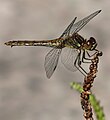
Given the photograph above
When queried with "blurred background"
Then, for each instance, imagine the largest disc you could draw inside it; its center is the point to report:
(25, 91)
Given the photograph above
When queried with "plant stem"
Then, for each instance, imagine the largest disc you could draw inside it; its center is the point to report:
(88, 81)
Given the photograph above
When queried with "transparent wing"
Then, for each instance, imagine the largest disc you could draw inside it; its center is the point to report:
(80, 24)
(51, 61)
(68, 58)
(67, 30)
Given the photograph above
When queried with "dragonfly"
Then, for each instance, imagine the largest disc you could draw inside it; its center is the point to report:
(72, 47)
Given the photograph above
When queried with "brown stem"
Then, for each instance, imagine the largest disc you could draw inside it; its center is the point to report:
(88, 81)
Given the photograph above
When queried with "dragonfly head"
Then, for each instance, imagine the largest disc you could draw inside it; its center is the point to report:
(91, 44)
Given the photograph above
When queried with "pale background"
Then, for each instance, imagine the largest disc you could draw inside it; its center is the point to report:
(25, 91)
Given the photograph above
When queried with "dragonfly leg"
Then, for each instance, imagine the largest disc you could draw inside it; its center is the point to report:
(89, 56)
(92, 54)
(79, 60)
(85, 58)
(79, 67)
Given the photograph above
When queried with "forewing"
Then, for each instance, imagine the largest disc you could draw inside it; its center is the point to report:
(68, 58)
(51, 61)
(67, 30)
(80, 24)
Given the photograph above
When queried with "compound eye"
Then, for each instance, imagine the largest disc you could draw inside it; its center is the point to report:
(92, 40)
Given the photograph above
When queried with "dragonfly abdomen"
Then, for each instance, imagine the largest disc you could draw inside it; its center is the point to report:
(48, 43)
